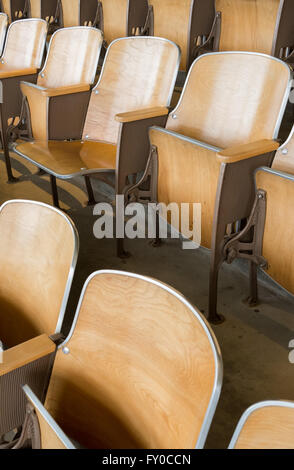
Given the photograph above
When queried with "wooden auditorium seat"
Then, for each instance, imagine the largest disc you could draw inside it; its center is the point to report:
(38, 254)
(21, 59)
(284, 158)
(140, 369)
(133, 92)
(266, 425)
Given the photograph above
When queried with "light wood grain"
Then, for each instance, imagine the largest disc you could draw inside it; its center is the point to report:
(6, 71)
(36, 252)
(3, 28)
(70, 13)
(35, 8)
(138, 73)
(270, 427)
(242, 152)
(172, 21)
(141, 114)
(187, 173)
(27, 352)
(25, 43)
(115, 17)
(6, 4)
(279, 227)
(72, 57)
(248, 25)
(140, 371)
(231, 99)
(69, 158)
(284, 158)
(38, 106)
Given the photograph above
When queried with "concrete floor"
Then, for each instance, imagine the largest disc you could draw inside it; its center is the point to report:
(254, 341)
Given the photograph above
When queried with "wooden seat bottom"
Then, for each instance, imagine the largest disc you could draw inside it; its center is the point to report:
(66, 159)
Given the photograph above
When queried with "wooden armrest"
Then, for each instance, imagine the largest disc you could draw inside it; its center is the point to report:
(142, 114)
(49, 92)
(16, 73)
(242, 152)
(25, 353)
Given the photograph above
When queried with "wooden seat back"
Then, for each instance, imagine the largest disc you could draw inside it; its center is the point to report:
(3, 29)
(175, 20)
(14, 9)
(72, 57)
(25, 42)
(78, 12)
(284, 158)
(136, 349)
(248, 25)
(266, 425)
(232, 98)
(279, 225)
(138, 72)
(37, 255)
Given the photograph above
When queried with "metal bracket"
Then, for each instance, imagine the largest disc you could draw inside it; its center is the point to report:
(247, 244)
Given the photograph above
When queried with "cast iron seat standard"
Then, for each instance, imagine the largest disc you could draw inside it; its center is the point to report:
(77, 13)
(21, 59)
(14, 9)
(140, 369)
(222, 129)
(265, 26)
(192, 24)
(45, 9)
(3, 29)
(38, 254)
(121, 18)
(133, 92)
(69, 69)
(266, 425)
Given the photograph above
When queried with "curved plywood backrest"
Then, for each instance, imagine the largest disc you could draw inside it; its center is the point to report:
(140, 368)
(25, 43)
(72, 57)
(70, 13)
(115, 19)
(172, 21)
(279, 225)
(284, 158)
(38, 253)
(138, 72)
(248, 25)
(231, 98)
(266, 425)
(51, 435)
(3, 28)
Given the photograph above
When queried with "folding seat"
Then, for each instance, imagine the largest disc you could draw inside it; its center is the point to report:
(45, 9)
(223, 128)
(266, 425)
(69, 69)
(14, 9)
(110, 134)
(21, 59)
(192, 24)
(265, 26)
(3, 29)
(78, 13)
(120, 18)
(140, 369)
(38, 254)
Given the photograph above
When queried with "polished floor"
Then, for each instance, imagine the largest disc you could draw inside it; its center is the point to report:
(254, 341)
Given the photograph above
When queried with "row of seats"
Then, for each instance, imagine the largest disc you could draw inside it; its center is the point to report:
(217, 133)
(196, 26)
(136, 349)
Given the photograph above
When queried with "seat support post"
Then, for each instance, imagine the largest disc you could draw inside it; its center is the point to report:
(54, 191)
(91, 197)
